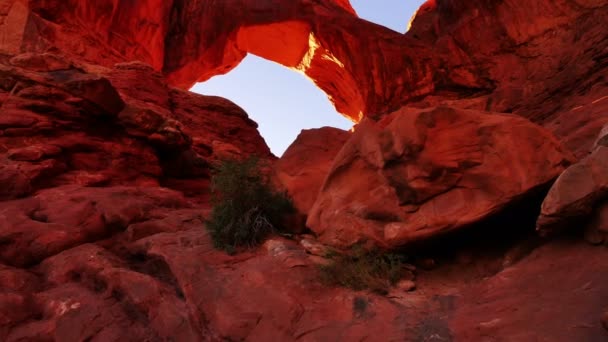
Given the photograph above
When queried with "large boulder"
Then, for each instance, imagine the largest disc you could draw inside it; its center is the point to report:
(304, 165)
(578, 190)
(420, 173)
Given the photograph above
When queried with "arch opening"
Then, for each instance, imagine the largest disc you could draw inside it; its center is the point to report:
(348, 77)
(393, 14)
(281, 101)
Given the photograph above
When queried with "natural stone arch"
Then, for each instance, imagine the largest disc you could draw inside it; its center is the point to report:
(326, 41)
(364, 68)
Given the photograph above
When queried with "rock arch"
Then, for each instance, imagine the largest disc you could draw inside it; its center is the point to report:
(491, 55)
(325, 40)
(364, 68)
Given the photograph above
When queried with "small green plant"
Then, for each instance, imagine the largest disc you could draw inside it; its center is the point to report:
(360, 270)
(246, 209)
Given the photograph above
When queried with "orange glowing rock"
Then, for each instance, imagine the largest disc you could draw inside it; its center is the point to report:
(285, 43)
(417, 174)
(485, 56)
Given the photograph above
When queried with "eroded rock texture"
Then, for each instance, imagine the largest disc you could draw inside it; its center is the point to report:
(544, 60)
(420, 173)
(104, 169)
(304, 165)
(69, 123)
(578, 191)
(84, 154)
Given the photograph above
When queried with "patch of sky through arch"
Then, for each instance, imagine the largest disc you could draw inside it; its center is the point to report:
(284, 102)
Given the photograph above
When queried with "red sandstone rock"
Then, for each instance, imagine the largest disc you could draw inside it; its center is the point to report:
(304, 165)
(59, 218)
(523, 302)
(174, 284)
(65, 124)
(577, 191)
(545, 77)
(101, 275)
(122, 263)
(599, 220)
(497, 55)
(420, 173)
(18, 179)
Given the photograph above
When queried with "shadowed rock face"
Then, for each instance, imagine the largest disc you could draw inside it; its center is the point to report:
(545, 60)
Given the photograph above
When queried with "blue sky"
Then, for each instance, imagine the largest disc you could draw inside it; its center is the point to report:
(284, 102)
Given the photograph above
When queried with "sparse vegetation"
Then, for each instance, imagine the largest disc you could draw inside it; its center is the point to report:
(360, 270)
(246, 209)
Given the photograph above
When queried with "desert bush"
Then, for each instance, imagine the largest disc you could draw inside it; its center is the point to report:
(246, 208)
(361, 270)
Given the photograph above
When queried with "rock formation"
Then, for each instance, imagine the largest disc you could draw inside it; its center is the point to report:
(418, 173)
(69, 123)
(105, 160)
(578, 191)
(305, 164)
(540, 59)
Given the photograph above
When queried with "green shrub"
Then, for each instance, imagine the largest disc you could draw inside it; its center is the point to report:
(246, 209)
(360, 270)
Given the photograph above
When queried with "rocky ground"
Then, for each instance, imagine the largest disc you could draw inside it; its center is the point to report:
(479, 153)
